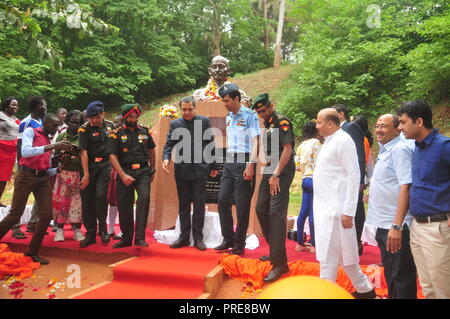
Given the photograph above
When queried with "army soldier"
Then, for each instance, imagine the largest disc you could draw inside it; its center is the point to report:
(273, 198)
(132, 153)
(96, 171)
(238, 177)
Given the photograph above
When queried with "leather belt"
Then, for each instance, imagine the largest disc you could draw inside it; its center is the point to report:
(37, 172)
(135, 165)
(432, 219)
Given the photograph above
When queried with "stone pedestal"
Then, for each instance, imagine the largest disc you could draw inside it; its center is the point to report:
(164, 199)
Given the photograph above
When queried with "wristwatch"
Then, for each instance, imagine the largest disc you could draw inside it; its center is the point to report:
(276, 175)
(396, 227)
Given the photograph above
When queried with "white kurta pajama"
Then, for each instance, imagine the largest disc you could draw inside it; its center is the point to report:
(336, 187)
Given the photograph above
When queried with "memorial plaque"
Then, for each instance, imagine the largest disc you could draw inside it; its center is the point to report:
(213, 183)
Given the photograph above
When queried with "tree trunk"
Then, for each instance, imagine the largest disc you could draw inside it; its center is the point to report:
(266, 25)
(216, 41)
(216, 19)
(277, 56)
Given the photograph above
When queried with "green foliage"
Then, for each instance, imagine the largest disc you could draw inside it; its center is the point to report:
(72, 52)
(371, 70)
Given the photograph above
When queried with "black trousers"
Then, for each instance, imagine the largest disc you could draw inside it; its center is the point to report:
(360, 217)
(233, 186)
(399, 268)
(272, 214)
(191, 191)
(125, 197)
(94, 199)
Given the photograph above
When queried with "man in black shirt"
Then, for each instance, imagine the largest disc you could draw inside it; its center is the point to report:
(131, 151)
(190, 174)
(273, 198)
(96, 173)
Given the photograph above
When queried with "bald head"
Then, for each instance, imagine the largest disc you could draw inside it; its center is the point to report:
(330, 115)
(327, 122)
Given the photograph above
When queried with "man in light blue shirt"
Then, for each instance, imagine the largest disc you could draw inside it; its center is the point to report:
(388, 208)
(238, 176)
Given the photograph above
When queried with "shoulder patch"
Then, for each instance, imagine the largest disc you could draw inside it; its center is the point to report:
(284, 122)
(81, 129)
(113, 135)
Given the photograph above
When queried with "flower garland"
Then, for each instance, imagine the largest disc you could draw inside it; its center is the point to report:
(212, 89)
(168, 111)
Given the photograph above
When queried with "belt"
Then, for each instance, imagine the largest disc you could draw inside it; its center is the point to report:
(135, 165)
(98, 160)
(37, 172)
(237, 157)
(432, 219)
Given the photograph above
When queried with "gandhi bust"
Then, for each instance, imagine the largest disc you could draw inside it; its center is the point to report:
(219, 71)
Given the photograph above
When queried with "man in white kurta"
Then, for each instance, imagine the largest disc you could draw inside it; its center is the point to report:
(336, 186)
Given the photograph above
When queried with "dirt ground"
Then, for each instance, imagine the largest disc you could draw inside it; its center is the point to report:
(57, 280)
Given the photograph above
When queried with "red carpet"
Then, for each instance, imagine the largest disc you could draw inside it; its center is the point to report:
(71, 244)
(164, 273)
(160, 273)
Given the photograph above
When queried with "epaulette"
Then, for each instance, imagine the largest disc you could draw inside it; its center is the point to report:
(145, 127)
(83, 127)
(284, 123)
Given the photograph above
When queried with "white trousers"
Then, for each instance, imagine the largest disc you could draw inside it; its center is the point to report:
(329, 269)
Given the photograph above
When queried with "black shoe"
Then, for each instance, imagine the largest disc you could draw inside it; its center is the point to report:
(87, 242)
(38, 259)
(200, 245)
(276, 273)
(104, 236)
(360, 249)
(18, 234)
(121, 244)
(141, 243)
(115, 237)
(366, 295)
(31, 228)
(264, 258)
(180, 243)
(224, 246)
(237, 251)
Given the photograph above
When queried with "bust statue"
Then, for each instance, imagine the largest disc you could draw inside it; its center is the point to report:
(219, 71)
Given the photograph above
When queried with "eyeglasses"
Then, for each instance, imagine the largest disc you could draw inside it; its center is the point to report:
(262, 111)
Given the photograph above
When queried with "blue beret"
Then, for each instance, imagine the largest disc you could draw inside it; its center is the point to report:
(94, 108)
(227, 89)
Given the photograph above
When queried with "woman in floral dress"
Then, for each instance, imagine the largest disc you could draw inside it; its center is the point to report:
(66, 193)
